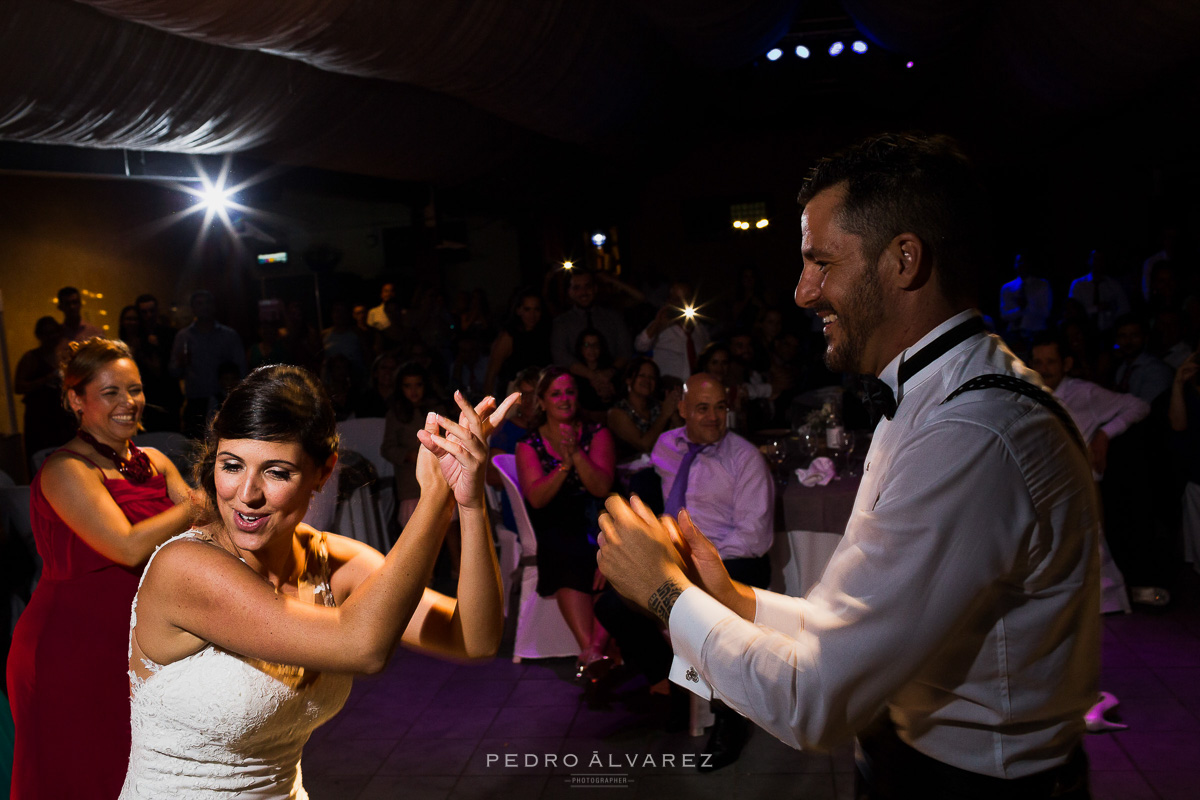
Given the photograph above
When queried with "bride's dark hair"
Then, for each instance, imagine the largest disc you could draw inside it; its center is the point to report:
(274, 403)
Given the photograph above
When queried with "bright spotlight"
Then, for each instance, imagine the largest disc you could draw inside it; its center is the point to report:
(836, 48)
(215, 198)
(599, 239)
(802, 51)
(762, 223)
(859, 46)
(568, 265)
(908, 65)
(689, 312)
(774, 54)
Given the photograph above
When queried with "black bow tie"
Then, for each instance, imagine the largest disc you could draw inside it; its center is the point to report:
(882, 400)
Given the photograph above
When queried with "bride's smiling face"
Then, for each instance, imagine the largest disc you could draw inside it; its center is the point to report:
(263, 489)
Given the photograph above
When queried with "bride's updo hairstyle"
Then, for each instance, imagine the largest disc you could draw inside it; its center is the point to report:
(274, 403)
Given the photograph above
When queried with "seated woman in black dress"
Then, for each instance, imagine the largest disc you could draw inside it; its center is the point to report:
(565, 468)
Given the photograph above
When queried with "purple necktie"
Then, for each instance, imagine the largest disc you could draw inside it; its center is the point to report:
(678, 493)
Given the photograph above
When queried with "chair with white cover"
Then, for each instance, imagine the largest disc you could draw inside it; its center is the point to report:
(509, 556)
(322, 509)
(541, 630)
(365, 436)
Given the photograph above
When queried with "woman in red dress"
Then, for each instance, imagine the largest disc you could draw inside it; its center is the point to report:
(99, 506)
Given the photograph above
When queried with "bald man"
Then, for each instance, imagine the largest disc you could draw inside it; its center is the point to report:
(726, 486)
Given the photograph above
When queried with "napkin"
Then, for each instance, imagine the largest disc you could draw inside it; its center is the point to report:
(820, 472)
(639, 463)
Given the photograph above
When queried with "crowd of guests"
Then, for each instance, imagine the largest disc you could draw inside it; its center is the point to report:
(1116, 346)
(605, 374)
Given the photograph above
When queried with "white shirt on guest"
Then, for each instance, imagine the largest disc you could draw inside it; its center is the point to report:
(377, 318)
(670, 348)
(963, 597)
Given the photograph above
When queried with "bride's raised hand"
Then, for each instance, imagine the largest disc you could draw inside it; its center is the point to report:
(461, 454)
(491, 416)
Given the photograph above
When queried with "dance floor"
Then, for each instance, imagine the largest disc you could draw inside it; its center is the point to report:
(426, 729)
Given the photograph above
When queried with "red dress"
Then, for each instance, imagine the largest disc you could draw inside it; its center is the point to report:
(67, 669)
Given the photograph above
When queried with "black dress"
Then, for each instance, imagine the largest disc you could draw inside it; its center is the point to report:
(567, 526)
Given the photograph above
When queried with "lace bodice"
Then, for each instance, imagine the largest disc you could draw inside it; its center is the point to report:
(217, 723)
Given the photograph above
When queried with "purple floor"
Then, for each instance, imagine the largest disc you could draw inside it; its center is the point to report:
(428, 729)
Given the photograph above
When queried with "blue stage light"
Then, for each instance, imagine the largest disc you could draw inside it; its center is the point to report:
(802, 51)
(774, 54)
(836, 49)
(859, 46)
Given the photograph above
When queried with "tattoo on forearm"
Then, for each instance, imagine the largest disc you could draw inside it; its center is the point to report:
(663, 600)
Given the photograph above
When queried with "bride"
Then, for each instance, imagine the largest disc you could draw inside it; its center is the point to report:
(245, 634)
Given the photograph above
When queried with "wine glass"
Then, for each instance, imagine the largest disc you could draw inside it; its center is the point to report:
(837, 441)
(852, 441)
(809, 444)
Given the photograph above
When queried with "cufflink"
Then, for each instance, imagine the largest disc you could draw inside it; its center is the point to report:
(692, 675)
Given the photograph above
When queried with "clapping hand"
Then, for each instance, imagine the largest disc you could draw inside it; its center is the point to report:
(462, 454)
(638, 555)
(569, 443)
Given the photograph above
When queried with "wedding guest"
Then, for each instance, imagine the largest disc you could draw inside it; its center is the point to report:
(1184, 417)
(99, 507)
(585, 313)
(378, 397)
(638, 418)
(675, 337)
(378, 316)
(524, 342)
(153, 359)
(565, 467)
(75, 328)
(594, 365)
(1025, 303)
(412, 402)
(38, 380)
(198, 351)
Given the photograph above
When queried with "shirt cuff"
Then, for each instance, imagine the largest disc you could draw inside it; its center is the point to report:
(779, 612)
(1113, 429)
(693, 617)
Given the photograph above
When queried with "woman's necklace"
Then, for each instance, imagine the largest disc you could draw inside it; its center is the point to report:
(136, 468)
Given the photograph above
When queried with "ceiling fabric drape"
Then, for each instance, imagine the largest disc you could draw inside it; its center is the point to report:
(418, 89)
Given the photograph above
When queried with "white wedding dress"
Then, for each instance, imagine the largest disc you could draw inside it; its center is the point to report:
(215, 723)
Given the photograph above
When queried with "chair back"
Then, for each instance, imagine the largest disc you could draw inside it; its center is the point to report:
(322, 510)
(506, 465)
(40, 457)
(6, 481)
(365, 437)
(174, 446)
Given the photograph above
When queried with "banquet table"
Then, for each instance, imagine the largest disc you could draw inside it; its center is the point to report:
(814, 519)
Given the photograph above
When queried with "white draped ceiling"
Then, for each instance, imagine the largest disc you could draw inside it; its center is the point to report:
(429, 90)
